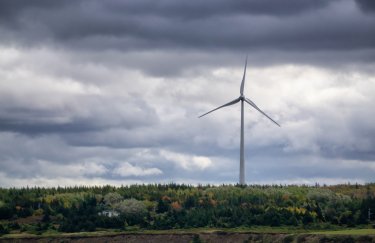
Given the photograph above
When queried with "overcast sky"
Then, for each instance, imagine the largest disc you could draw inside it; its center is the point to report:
(108, 92)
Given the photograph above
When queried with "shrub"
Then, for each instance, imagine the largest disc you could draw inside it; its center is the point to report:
(3, 230)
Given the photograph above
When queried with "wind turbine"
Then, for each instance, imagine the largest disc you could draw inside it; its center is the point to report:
(243, 99)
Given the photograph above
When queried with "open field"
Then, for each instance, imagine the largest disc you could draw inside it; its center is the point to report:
(347, 232)
(253, 234)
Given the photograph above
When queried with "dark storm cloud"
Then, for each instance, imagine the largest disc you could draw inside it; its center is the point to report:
(179, 9)
(112, 90)
(366, 6)
(206, 9)
(235, 25)
(11, 9)
(98, 115)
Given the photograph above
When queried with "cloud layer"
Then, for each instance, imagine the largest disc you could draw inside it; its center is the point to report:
(95, 92)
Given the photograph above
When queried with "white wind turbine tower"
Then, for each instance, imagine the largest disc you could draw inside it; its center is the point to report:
(242, 98)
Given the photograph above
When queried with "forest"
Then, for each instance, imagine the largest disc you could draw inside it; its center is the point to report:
(177, 206)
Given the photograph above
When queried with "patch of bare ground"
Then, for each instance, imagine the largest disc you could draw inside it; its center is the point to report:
(222, 237)
(29, 220)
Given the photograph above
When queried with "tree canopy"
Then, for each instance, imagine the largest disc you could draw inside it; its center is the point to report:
(167, 206)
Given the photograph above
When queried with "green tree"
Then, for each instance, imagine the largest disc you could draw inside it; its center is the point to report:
(133, 210)
(112, 199)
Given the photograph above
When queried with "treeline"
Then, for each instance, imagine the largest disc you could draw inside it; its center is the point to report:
(173, 206)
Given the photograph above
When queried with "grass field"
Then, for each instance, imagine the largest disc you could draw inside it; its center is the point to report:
(258, 230)
(347, 232)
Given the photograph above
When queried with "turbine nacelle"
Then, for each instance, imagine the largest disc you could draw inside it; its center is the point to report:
(242, 98)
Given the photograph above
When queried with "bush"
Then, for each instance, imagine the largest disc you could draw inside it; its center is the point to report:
(13, 226)
(288, 239)
(3, 230)
(196, 239)
(6, 212)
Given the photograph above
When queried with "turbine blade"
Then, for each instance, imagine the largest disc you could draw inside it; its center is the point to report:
(227, 104)
(243, 78)
(257, 108)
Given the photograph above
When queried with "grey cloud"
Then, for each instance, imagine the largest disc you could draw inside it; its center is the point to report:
(178, 9)
(307, 168)
(105, 83)
(12, 9)
(366, 6)
(232, 26)
(97, 117)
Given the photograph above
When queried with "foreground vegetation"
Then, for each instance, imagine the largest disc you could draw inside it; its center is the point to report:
(255, 208)
(263, 230)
